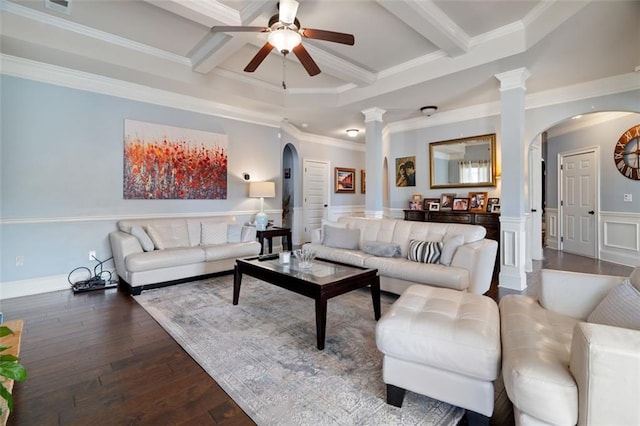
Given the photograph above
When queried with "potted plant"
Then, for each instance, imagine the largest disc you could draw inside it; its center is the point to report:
(9, 369)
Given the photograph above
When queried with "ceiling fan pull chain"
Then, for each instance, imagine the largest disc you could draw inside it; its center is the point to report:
(284, 71)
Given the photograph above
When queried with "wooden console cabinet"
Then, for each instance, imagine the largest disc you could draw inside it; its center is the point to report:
(491, 221)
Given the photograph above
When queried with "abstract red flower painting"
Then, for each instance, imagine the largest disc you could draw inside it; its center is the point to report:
(169, 163)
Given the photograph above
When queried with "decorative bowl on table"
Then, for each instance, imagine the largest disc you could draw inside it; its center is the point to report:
(305, 257)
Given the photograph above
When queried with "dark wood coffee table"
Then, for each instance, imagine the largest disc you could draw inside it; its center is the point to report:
(321, 282)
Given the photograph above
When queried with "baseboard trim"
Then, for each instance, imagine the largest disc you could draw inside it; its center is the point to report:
(31, 286)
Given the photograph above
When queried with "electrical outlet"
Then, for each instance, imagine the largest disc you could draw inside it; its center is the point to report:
(19, 260)
(92, 255)
(627, 198)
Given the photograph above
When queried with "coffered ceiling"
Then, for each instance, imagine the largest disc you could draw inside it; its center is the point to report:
(407, 53)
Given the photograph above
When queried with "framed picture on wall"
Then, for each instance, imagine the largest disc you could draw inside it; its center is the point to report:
(406, 171)
(363, 181)
(345, 180)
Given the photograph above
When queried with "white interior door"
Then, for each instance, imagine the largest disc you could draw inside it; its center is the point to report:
(578, 203)
(315, 189)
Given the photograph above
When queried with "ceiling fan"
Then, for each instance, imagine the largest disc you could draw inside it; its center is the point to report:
(285, 34)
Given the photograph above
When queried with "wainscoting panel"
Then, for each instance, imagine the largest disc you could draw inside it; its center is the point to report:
(620, 238)
(551, 223)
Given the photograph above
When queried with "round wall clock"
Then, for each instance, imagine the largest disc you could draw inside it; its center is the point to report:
(627, 153)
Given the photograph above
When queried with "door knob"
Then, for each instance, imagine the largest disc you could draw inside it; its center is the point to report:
(591, 212)
(534, 210)
(326, 205)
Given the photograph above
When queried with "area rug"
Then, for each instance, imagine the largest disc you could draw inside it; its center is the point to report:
(263, 353)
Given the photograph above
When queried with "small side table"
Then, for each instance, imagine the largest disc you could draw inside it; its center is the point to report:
(269, 233)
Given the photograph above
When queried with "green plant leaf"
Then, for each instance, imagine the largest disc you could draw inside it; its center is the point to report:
(9, 358)
(6, 395)
(5, 331)
(13, 370)
(4, 348)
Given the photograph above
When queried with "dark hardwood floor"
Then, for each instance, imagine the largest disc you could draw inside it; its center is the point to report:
(98, 358)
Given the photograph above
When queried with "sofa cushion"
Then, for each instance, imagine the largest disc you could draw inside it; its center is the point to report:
(341, 238)
(168, 234)
(379, 248)
(425, 251)
(433, 274)
(213, 233)
(230, 250)
(350, 257)
(619, 308)
(159, 259)
(535, 360)
(449, 247)
(143, 237)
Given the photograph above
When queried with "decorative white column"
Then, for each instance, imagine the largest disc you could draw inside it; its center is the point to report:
(373, 162)
(513, 219)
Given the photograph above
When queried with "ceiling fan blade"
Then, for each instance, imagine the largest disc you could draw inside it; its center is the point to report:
(260, 56)
(238, 29)
(305, 59)
(328, 36)
(287, 11)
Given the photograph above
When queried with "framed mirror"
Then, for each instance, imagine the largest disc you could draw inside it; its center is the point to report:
(467, 162)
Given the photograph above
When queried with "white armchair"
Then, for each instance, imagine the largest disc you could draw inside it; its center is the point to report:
(559, 369)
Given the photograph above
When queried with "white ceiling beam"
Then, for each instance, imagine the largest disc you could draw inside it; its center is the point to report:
(430, 22)
(340, 68)
(207, 13)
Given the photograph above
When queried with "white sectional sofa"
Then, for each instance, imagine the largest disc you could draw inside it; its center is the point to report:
(151, 253)
(466, 263)
(573, 356)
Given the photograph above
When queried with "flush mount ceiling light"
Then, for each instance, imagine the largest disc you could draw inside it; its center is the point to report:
(352, 133)
(428, 110)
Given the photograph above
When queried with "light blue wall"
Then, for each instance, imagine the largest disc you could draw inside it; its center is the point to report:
(612, 184)
(416, 142)
(61, 173)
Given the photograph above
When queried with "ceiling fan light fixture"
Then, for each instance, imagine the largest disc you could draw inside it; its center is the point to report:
(284, 39)
(428, 110)
(352, 133)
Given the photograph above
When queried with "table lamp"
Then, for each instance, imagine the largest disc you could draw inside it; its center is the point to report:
(262, 190)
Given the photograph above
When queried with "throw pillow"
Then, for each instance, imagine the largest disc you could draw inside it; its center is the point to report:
(234, 232)
(619, 308)
(425, 251)
(449, 247)
(382, 249)
(213, 233)
(168, 235)
(145, 241)
(325, 222)
(341, 238)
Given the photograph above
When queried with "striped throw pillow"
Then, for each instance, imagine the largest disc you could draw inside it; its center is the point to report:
(425, 251)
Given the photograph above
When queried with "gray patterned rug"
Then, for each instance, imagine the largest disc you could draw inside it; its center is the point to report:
(263, 353)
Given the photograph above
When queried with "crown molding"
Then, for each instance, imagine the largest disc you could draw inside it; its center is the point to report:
(301, 136)
(60, 76)
(44, 18)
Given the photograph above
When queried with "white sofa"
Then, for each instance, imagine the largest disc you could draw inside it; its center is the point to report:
(472, 257)
(150, 253)
(560, 364)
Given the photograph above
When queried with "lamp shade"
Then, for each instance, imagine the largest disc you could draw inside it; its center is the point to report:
(262, 189)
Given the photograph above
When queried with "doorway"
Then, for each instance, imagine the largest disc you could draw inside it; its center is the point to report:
(315, 187)
(578, 177)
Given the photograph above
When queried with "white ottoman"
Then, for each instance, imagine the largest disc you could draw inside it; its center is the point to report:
(444, 344)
